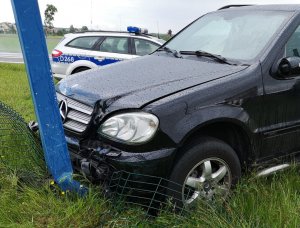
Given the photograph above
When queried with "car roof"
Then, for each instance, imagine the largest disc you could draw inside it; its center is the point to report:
(273, 7)
(114, 33)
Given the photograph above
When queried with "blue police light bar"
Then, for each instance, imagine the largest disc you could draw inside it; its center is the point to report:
(137, 30)
(132, 29)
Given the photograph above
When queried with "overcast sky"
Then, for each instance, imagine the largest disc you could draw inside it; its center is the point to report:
(118, 14)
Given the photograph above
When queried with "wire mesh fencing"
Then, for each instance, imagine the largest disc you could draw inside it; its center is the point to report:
(20, 149)
(21, 153)
(156, 195)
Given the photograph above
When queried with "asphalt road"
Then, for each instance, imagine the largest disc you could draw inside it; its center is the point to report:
(6, 57)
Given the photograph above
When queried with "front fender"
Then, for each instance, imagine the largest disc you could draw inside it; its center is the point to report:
(222, 113)
(232, 99)
(180, 126)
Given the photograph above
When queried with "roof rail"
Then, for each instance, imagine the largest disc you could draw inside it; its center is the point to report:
(101, 31)
(91, 31)
(230, 6)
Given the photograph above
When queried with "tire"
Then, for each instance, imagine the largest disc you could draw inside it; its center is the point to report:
(80, 69)
(196, 175)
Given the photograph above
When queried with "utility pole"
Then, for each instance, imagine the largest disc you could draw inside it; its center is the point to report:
(91, 14)
(158, 29)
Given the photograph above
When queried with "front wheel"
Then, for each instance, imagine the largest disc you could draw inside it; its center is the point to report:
(208, 169)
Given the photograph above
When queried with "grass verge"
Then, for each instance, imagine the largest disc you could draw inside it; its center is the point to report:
(10, 43)
(264, 202)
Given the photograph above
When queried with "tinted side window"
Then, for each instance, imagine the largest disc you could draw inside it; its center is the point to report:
(83, 42)
(115, 45)
(292, 47)
(144, 47)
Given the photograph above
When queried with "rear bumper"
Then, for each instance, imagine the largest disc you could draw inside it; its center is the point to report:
(59, 70)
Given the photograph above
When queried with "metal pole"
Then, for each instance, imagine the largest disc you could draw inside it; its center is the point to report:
(33, 43)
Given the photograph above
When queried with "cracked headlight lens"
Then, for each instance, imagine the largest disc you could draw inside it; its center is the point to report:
(131, 128)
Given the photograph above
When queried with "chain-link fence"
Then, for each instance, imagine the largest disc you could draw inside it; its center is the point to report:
(20, 149)
(21, 153)
(154, 194)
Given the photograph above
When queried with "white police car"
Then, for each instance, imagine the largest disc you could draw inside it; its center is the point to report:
(82, 51)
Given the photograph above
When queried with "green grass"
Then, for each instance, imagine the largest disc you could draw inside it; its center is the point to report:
(10, 43)
(14, 89)
(264, 202)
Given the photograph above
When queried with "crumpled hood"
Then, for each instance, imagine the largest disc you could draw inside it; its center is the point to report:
(134, 83)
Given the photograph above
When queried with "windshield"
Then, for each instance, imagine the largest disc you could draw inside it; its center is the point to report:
(239, 35)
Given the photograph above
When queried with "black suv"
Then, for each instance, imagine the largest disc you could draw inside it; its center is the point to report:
(221, 96)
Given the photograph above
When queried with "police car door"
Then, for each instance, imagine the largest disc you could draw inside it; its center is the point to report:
(143, 47)
(112, 49)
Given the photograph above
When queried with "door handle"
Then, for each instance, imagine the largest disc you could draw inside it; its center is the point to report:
(100, 58)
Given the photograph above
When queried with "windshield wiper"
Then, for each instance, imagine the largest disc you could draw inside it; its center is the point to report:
(199, 53)
(169, 50)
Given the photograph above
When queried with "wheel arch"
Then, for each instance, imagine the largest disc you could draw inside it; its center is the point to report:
(76, 70)
(79, 64)
(232, 132)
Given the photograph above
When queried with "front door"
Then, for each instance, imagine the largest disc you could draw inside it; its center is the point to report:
(281, 112)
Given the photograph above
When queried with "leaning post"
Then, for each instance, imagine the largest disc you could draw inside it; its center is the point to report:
(34, 48)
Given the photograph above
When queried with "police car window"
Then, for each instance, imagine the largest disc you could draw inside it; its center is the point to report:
(115, 45)
(292, 47)
(144, 47)
(83, 42)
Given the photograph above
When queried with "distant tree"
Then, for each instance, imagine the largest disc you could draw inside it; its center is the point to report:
(72, 29)
(12, 29)
(170, 33)
(60, 32)
(49, 16)
(84, 29)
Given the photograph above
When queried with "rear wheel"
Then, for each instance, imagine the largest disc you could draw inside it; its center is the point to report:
(80, 69)
(208, 170)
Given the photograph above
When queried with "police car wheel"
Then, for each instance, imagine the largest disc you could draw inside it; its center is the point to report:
(207, 171)
(80, 69)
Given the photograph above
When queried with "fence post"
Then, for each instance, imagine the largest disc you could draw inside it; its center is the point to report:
(34, 48)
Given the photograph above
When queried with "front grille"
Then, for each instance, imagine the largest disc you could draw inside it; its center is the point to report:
(79, 115)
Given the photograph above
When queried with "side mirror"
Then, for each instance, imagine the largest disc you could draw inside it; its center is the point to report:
(288, 67)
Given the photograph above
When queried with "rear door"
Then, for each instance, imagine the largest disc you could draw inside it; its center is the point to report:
(111, 49)
(77, 49)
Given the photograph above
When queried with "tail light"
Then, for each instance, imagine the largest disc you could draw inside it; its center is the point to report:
(56, 53)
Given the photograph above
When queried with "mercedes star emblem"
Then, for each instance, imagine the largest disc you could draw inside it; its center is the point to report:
(63, 110)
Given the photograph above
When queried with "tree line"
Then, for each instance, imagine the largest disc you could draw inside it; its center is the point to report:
(49, 28)
(49, 14)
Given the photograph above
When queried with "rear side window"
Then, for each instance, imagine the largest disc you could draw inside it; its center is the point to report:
(144, 47)
(84, 42)
(115, 45)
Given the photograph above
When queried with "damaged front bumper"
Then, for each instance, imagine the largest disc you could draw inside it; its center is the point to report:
(98, 161)
(139, 177)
